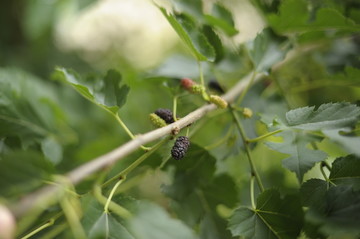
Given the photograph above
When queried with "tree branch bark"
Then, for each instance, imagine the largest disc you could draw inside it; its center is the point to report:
(45, 196)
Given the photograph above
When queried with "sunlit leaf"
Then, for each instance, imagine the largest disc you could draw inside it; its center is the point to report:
(109, 92)
(344, 138)
(301, 158)
(327, 116)
(222, 19)
(265, 50)
(192, 37)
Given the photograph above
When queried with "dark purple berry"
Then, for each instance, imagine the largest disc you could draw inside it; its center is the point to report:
(180, 147)
(214, 85)
(166, 115)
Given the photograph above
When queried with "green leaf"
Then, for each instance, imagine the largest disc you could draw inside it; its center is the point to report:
(192, 37)
(100, 225)
(152, 222)
(107, 93)
(195, 170)
(313, 192)
(327, 116)
(222, 19)
(294, 17)
(343, 137)
(273, 217)
(292, 13)
(301, 159)
(29, 109)
(346, 171)
(265, 50)
(108, 227)
(52, 149)
(21, 172)
(338, 215)
(215, 41)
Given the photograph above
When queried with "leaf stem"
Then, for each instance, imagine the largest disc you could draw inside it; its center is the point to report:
(119, 210)
(261, 137)
(46, 225)
(175, 107)
(106, 207)
(136, 163)
(202, 82)
(247, 149)
(322, 165)
(127, 130)
(252, 196)
(73, 218)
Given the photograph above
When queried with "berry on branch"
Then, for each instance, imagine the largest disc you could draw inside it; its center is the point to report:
(156, 120)
(217, 100)
(187, 83)
(166, 115)
(180, 147)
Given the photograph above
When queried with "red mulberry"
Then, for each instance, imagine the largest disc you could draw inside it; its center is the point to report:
(180, 147)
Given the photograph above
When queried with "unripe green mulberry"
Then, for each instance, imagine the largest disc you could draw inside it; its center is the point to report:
(217, 100)
(156, 120)
(247, 113)
(197, 89)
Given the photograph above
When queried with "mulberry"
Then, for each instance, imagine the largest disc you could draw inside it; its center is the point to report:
(180, 147)
(187, 83)
(214, 85)
(247, 113)
(157, 121)
(217, 100)
(166, 115)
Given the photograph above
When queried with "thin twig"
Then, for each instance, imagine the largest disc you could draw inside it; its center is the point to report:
(43, 197)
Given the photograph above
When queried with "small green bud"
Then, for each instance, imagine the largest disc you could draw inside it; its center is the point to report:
(247, 113)
(197, 89)
(217, 100)
(156, 120)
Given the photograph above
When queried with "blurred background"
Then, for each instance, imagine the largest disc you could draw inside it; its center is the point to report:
(38, 35)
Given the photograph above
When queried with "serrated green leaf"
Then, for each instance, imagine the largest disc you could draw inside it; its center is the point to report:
(100, 225)
(346, 171)
(28, 109)
(313, 192)
(294, 17)
(273, 217)
(292, 13)
(152, 222)
(265, 50)
(301, 159)
(222, 19)
(327, 116)
(341, 136)
(338, 215)
(196, 41)
(107, 93)
(215, 41)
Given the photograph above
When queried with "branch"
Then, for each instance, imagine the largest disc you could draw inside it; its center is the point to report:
(46, 196)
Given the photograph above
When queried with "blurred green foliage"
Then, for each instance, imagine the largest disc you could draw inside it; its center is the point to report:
(52, 119)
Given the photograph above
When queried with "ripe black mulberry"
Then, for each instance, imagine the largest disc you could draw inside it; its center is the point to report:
(166, 115)
(180, 147)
